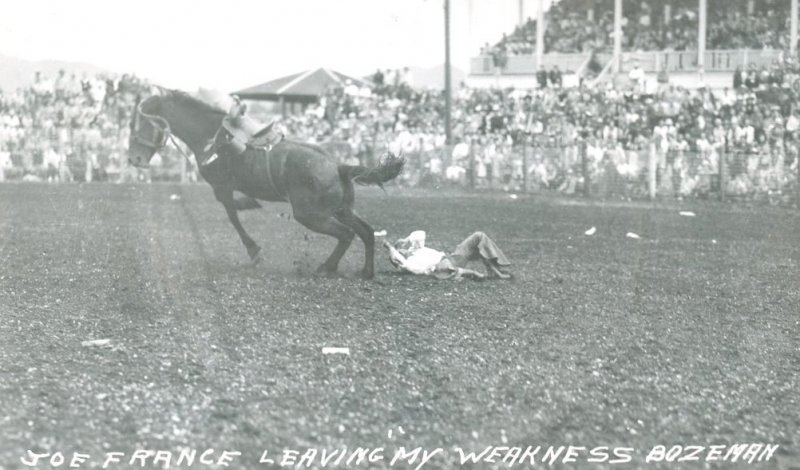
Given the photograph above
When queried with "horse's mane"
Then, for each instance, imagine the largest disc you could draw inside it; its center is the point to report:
(186, 98)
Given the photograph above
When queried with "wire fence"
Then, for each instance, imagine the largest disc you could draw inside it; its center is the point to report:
(580, 168)
(588, 170)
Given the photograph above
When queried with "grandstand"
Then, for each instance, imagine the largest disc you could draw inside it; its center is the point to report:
(599, 40)
(545, 112)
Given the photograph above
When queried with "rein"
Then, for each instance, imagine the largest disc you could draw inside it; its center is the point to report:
(162, 125)
(164, 135)
(180, 150)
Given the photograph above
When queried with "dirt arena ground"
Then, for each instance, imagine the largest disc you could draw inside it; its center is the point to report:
(687, 336)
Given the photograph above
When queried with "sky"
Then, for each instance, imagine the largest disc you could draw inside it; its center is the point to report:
(232, 44)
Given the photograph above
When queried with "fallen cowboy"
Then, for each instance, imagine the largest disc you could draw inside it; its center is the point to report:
(411, 255)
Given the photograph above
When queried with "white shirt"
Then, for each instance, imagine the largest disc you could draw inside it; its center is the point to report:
(351, 89)
(792, 124)
(51, 157)
(418, 258)
(436, 166)
(461, 150)
(637, 74)
(423, 261)
(454, 173)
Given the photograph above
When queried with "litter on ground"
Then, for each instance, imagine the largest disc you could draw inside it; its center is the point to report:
(329, 350)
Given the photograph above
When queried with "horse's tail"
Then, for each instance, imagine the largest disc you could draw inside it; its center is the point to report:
(388, 169)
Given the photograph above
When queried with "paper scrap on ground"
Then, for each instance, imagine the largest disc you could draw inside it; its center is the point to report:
(96, 342)
(382, 233)
(687, 213)
(591, 231)
(632, 235)
(513, 196)
(174, 197)
(328, 350)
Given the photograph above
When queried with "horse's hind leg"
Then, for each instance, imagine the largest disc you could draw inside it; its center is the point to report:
(227, 200)
(334, 228)
(366, 233)
(246, 203)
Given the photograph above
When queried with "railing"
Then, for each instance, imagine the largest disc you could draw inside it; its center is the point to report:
(595, 172)
(572, 169)
(526, 64)
(605, 73)
(651, 61)
(686, 61)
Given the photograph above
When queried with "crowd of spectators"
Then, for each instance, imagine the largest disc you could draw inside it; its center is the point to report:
(571, 136)
(754, 124)
(649, 25)
(66, 127)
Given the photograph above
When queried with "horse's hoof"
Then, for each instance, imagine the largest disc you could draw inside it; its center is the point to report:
(255, 254)
(326, 271)
(257, 259)
(367, 275)
(328, 274)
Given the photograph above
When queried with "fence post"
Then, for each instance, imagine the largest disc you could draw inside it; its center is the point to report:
(587, 179)
(472, 164)
(525, 165)
(421, 160)
(797, 181)
(651, 171)
(722, 174)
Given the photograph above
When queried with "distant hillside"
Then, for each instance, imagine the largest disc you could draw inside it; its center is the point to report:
(16, 73)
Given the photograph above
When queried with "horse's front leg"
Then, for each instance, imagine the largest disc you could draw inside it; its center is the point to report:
(225, 196)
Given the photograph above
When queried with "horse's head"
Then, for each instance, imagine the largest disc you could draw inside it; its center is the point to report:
(149, 132)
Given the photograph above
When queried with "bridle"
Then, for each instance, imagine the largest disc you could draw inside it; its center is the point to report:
(160, 124)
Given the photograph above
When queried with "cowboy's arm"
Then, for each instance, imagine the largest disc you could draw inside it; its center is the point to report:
(468, 273)
(395, 257)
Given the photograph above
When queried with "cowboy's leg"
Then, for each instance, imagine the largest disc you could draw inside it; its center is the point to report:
(479, 246)
(489, 250)
(467, 250)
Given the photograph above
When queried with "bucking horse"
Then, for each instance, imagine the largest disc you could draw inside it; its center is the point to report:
(320, 190)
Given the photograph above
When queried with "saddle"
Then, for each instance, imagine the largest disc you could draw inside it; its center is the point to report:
(239, 131)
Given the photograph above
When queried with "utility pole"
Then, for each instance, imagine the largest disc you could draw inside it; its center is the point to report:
(540, 27)
(702, 9)
(793, 28)
(447, 84)
(617, 67)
